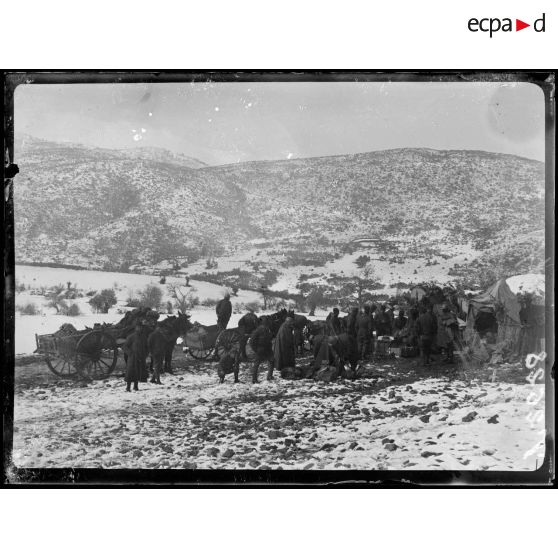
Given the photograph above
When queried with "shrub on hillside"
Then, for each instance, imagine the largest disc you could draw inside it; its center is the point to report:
(56, 299)
(71, 310)
(253, 306)
(103, 301)
(151, 296)
(133, 302)
(29, 309)
(20, 287)
(362, 261)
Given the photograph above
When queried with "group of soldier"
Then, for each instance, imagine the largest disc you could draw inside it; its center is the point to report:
(340, 340)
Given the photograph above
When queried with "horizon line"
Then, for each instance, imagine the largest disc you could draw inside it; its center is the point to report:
(207, 165)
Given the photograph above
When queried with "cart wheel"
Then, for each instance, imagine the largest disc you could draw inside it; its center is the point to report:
(61, 365)
(227, 338)
(96, 354)
(200, 354)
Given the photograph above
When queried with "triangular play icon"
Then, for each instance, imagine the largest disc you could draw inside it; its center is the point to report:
(519, 25)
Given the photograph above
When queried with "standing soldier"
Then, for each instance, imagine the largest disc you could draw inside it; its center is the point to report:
(135, 349)
(364, 332)
(284, 349)
(224, 311)
(383, 322)
(352, 322)
(261, 345)
(451, 330)
(334, 322)
(426, 328)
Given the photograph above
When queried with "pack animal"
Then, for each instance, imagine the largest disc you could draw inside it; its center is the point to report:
(162, 340)
(276, 320)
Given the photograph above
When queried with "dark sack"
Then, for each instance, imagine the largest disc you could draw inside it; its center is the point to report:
(327, 374)
(291, 373)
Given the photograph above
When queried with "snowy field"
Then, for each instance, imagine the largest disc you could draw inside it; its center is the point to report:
(397, 416)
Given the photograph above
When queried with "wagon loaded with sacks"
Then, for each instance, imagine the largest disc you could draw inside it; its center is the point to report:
(90, 353)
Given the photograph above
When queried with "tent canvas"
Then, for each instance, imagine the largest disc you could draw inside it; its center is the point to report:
(497, 309)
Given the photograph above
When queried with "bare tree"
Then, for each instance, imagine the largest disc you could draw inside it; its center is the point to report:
(184, 297)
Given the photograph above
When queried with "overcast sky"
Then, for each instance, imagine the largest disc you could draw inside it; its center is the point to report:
(231, 122)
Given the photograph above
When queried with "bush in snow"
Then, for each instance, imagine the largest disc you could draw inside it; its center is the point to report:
(71, 310)
(362, 261)
(56, 299)
(19, 287)
(253, 306)
(102, 301)
(151, 296)
(29, 309)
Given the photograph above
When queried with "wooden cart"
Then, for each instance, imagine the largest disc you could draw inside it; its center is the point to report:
(89, 353)
(203, 342)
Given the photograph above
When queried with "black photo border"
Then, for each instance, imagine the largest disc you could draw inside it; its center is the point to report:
(544, 476)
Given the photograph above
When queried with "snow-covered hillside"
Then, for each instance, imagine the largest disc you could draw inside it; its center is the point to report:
(442, 213)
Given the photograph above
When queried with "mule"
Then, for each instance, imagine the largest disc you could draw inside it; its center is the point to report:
(162, 340)
(277, 319)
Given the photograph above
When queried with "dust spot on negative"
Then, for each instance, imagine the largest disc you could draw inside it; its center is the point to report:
(516, 111)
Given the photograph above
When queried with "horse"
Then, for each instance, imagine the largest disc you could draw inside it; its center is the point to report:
(277, 319)
(246, 326)
(162, 340)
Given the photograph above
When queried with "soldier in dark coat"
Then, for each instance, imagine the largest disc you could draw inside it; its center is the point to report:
(334, 322)
(451, 331)
(383, 322)
(400, 322)
(426, 327)
(364, 332)
(135, 348)
(224, 311)
(336, 350)
(284, 350)
(352, 322)
(261, 343)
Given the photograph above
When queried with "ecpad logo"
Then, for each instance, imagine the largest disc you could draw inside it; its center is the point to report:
(493, 25)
